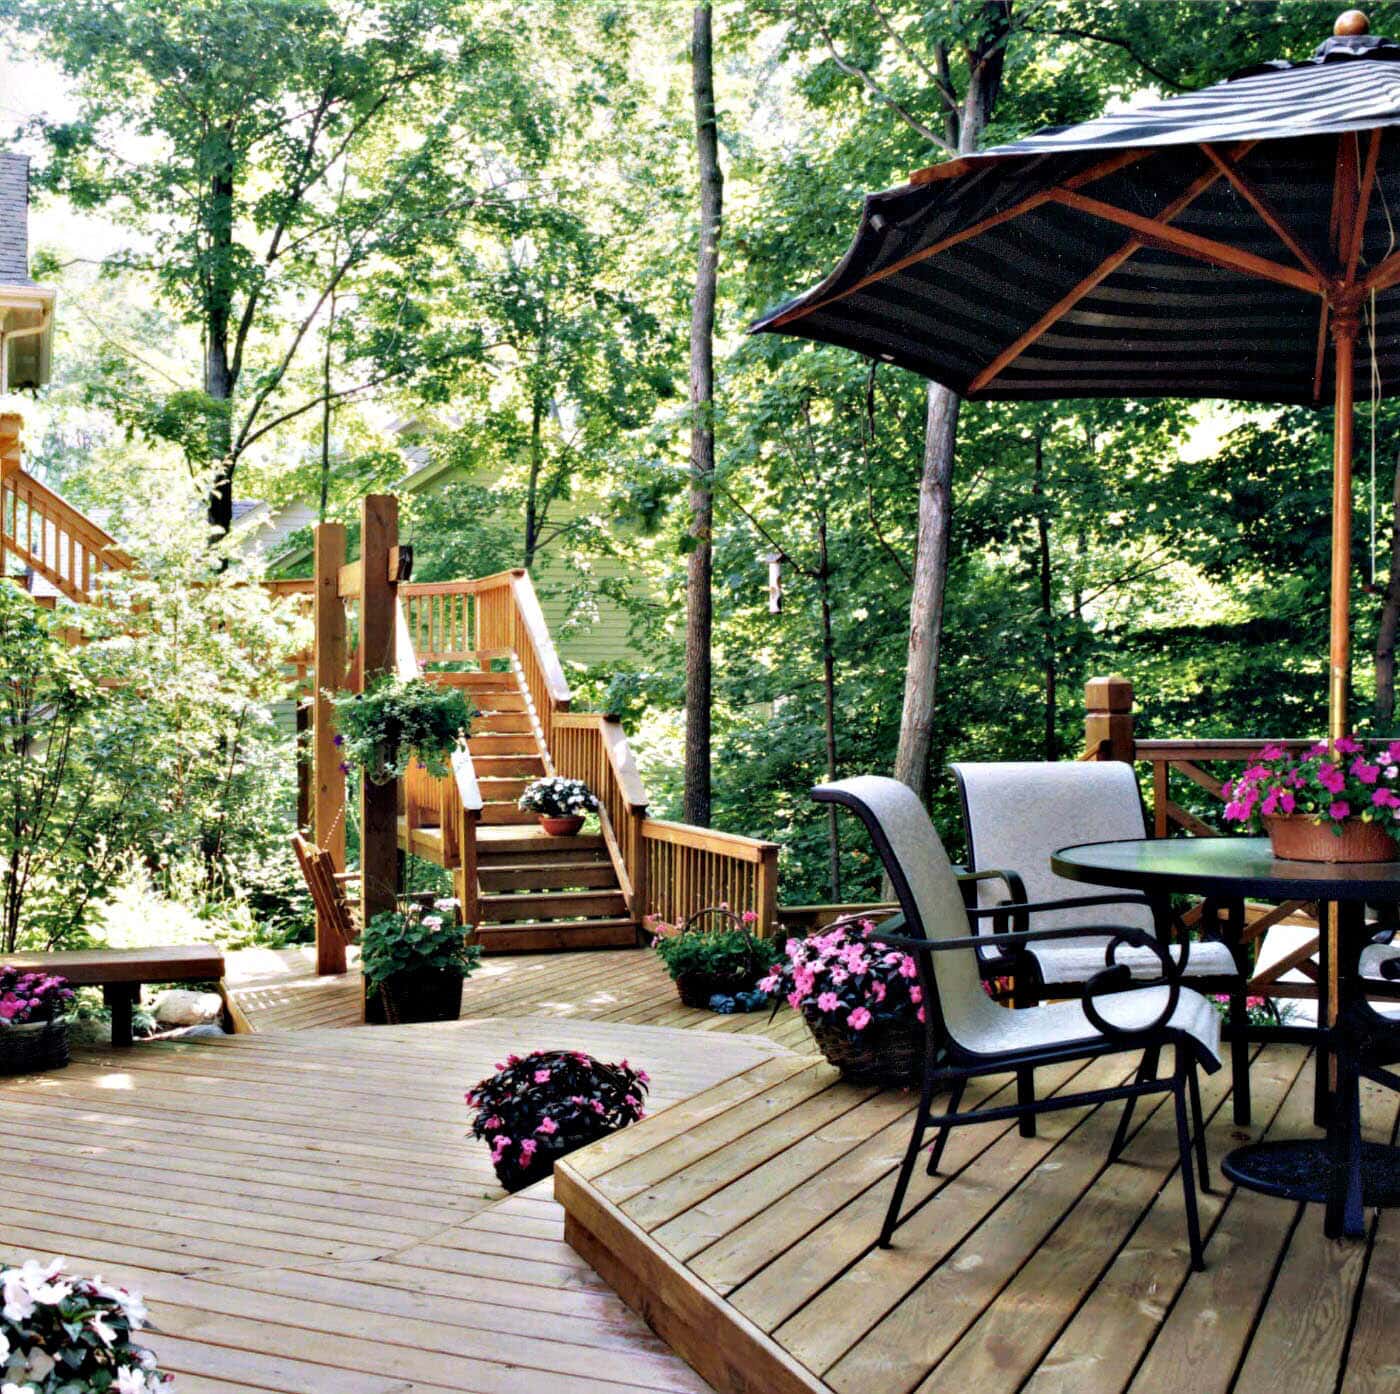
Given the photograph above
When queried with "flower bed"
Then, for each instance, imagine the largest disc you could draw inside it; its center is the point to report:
(862, 1001)
(62, 1335)
(540, 1107)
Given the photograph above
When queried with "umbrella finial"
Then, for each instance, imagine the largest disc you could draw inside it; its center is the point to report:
(1351, 22)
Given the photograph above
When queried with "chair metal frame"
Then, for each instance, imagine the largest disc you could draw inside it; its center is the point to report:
(949, 1064)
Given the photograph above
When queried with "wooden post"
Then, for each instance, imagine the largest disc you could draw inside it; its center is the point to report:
(766, 884)
(328, 675)
(304, 753)
(379, 803)
(11, 461)
(1108, 719)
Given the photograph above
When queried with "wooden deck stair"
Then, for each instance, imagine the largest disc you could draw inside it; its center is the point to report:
(533, 891)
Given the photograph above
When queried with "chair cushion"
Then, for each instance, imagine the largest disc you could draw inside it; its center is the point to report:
(1078, 962)
(1064, 1023)
(1373, 955)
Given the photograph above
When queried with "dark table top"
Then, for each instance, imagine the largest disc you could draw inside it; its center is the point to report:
(1228, 866)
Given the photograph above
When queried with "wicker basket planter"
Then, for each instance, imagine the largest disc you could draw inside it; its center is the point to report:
(890, 1054)
(425, 996)
(34, 1047)
(1296, 838)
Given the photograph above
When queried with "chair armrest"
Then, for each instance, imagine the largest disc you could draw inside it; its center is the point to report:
(1138, 938)
(1015, 887)
(1019, 912)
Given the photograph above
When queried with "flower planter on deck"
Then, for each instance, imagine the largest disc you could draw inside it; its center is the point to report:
(1301, 838)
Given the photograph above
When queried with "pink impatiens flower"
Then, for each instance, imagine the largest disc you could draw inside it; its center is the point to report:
(527, 1149)
(828, 1002)
(548, 1127)
(542, 1076)
(1339, 810)
(858, 1019)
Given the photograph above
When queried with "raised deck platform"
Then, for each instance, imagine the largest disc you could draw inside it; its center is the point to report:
(741, 1225)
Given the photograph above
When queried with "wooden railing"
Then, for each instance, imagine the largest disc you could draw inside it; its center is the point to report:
(688, 868)
(592, 747)
(499, 617)
(52, 537)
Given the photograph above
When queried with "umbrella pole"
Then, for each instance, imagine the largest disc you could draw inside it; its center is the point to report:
(1345, 325)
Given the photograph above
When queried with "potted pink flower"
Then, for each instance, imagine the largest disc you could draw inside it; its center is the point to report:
(33, 1020)
(1324, 805)
(861, 1000)
(539, 1107)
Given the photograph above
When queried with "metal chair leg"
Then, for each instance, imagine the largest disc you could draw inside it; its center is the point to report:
(1198, 1127)
(906, 1167)
(1188, 1176)
(1239, 1056)
(1025, 1096)
(941, 1141)
(1147, 1069)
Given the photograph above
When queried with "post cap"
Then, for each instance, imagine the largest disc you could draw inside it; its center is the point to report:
(1351, 22)
(1110, 694)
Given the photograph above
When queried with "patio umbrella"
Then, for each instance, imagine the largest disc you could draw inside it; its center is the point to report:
(1235, 242)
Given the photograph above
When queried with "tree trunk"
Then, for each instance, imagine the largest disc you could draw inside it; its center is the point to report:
(986, 61)
(702, 430)
(218, 371)
(828, 697)
(1047, 610)
(1390, 619)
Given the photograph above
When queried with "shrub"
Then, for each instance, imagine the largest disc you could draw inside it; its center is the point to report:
(539, 1108)
(61, 1335)
(416, 940)
(839, 978)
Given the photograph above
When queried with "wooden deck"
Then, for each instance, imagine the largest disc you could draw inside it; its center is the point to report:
(305, 1213)
(740, 1223)
(278, 991)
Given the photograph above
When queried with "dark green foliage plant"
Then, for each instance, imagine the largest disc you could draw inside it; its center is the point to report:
(416, 939)
(734, 953)
(398, 720)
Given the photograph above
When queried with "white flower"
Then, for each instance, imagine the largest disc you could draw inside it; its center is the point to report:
(131, 1381)
(19, 1389)
(104, 1332)
(4, 1348)
(432, 921)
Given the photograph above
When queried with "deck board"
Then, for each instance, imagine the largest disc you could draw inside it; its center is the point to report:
(1032, 1265)
(305, 1213)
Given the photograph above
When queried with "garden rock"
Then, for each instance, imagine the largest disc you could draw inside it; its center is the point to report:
(179, 1007)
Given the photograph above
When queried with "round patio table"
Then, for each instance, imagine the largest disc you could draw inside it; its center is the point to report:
(1339, 1170)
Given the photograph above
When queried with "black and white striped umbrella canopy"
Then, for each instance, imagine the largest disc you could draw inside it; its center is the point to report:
(1195, 247)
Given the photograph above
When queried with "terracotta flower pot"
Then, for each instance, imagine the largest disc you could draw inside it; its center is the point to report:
(1297, 838)
(561, 827)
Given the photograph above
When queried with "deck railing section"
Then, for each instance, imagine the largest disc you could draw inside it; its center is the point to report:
(53, 538)
(688, 868)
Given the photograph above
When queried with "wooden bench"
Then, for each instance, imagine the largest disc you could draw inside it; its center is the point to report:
(120, 973)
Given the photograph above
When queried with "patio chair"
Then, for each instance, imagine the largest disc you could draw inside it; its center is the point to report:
(968, 1035)
(1016, 815)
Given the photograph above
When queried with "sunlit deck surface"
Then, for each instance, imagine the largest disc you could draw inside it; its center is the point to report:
(278, 990)
(741, 1223)
(305, 1213)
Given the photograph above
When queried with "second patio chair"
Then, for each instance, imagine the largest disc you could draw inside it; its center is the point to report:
(968, 1035)
(1016, 816)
